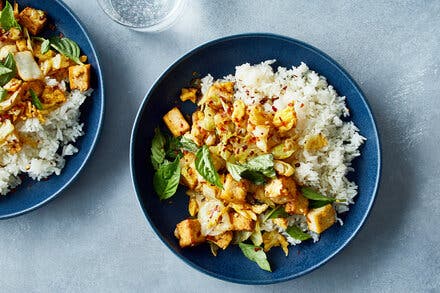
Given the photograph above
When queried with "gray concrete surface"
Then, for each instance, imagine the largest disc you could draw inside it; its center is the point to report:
(94, 237)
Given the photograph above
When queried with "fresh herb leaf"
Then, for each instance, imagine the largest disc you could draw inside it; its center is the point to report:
(8, 69)
(256, 254)
(316, 196)
(255, 170)
(166, 179)
(235, 170)
(278, 212)
(35, 100)
(254, 176)
(295, 232)
(263, 164)
(7, 19)
(157, 149)
(3, 93)
(173, 147)
(188, 144)
(206, 168)
(45, 47)
(314, 204)
(67, 47)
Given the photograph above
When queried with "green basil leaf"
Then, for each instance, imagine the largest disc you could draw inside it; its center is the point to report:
(295, 232)
(67, 47)
(254, 176)
(7, 19)
(235, 170)
(188, 144)
(3, 93)
(314, 195)
(166, 179)
(314, 204)
(256, 254)
(277, 212)
(206, 168)
(35, 100)
(45, 46)
(157, 149)
(8, 69)
(173, 147)
(263, 164)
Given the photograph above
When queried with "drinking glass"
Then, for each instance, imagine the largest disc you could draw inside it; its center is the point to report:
(144, 15)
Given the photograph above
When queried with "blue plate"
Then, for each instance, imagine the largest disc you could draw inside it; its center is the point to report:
(219, 58)
(33, 194)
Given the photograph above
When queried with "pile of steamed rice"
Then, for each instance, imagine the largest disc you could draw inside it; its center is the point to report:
(55, 136)
(319, 109)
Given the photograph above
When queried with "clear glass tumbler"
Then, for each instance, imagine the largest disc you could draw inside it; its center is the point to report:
(144, 15)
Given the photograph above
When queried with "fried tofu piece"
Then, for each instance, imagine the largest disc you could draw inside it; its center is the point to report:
(175, 122)
(234, 191)
(32, 19)
(299, 205)
(241, 223)
(79, 77)
(188, 172)
(188, 94)
(189, 233)
(320, 219)
(280, 190)
(222, 240)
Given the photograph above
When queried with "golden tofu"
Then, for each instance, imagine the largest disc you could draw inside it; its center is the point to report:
(316, 142)
(234, 191)
(175, 122)
(189, 233)
(223, 240)
(239, 112)
(280, 190)
(32, 19)
(299, 205)
(320, 219)
(79, 77)
(188, 94)
(188, 172)
(241, 223)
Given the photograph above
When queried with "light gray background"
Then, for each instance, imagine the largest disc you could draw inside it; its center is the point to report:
(94, 237)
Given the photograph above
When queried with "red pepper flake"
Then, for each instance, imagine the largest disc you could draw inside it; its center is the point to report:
(274, 108)
(285, 87)
(245, 147)
(302, 105)
(297, 165)
(290, 104)
(257, 249)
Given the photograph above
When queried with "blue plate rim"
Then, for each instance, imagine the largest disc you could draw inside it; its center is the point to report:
(321, 54)
(98, 133)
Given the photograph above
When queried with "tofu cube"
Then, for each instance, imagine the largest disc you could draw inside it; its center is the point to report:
(298, 206)
(280, 190)
(241, 223)
(175, 122)
(222, 240)
(234, 191)
(33, 19)
(188, 232)
(188, 94)
(320, 219)
(79, 77)
(188, 173)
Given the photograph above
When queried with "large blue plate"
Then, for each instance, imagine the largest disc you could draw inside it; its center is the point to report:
(33, 194)
(219, 58)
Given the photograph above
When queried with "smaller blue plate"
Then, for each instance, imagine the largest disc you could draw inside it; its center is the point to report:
(219, 58)
(33, 194)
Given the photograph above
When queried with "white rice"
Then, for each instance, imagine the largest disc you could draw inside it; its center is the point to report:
(55, 139)
(319, 109)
